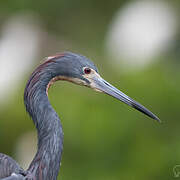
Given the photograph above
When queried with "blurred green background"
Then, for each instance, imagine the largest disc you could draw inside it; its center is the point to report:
(103, 138)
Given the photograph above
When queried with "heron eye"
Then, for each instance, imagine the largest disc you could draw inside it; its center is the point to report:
(87, 70)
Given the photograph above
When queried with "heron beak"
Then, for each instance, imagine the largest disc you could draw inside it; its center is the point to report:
(99, 84)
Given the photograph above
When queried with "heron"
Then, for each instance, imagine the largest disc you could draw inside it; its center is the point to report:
(65, 66)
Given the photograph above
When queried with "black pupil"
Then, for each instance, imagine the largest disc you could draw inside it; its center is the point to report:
(87, 70)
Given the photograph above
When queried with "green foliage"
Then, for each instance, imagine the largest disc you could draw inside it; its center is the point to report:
(104, 139)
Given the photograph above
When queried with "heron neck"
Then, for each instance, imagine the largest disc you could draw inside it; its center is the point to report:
(46, 162)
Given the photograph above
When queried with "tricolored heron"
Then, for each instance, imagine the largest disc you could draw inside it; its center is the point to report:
(69, 67)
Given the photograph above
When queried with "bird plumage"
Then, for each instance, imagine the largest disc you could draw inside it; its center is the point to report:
(8, 166)
(67, 66)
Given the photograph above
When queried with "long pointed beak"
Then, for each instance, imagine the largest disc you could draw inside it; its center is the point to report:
(99, 84)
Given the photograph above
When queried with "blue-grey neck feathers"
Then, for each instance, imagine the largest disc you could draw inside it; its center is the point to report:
(46, 162)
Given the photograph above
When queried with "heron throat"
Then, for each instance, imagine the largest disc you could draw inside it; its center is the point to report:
(46, 162)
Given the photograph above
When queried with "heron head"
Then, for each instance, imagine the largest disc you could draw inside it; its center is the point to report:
(80, 70)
